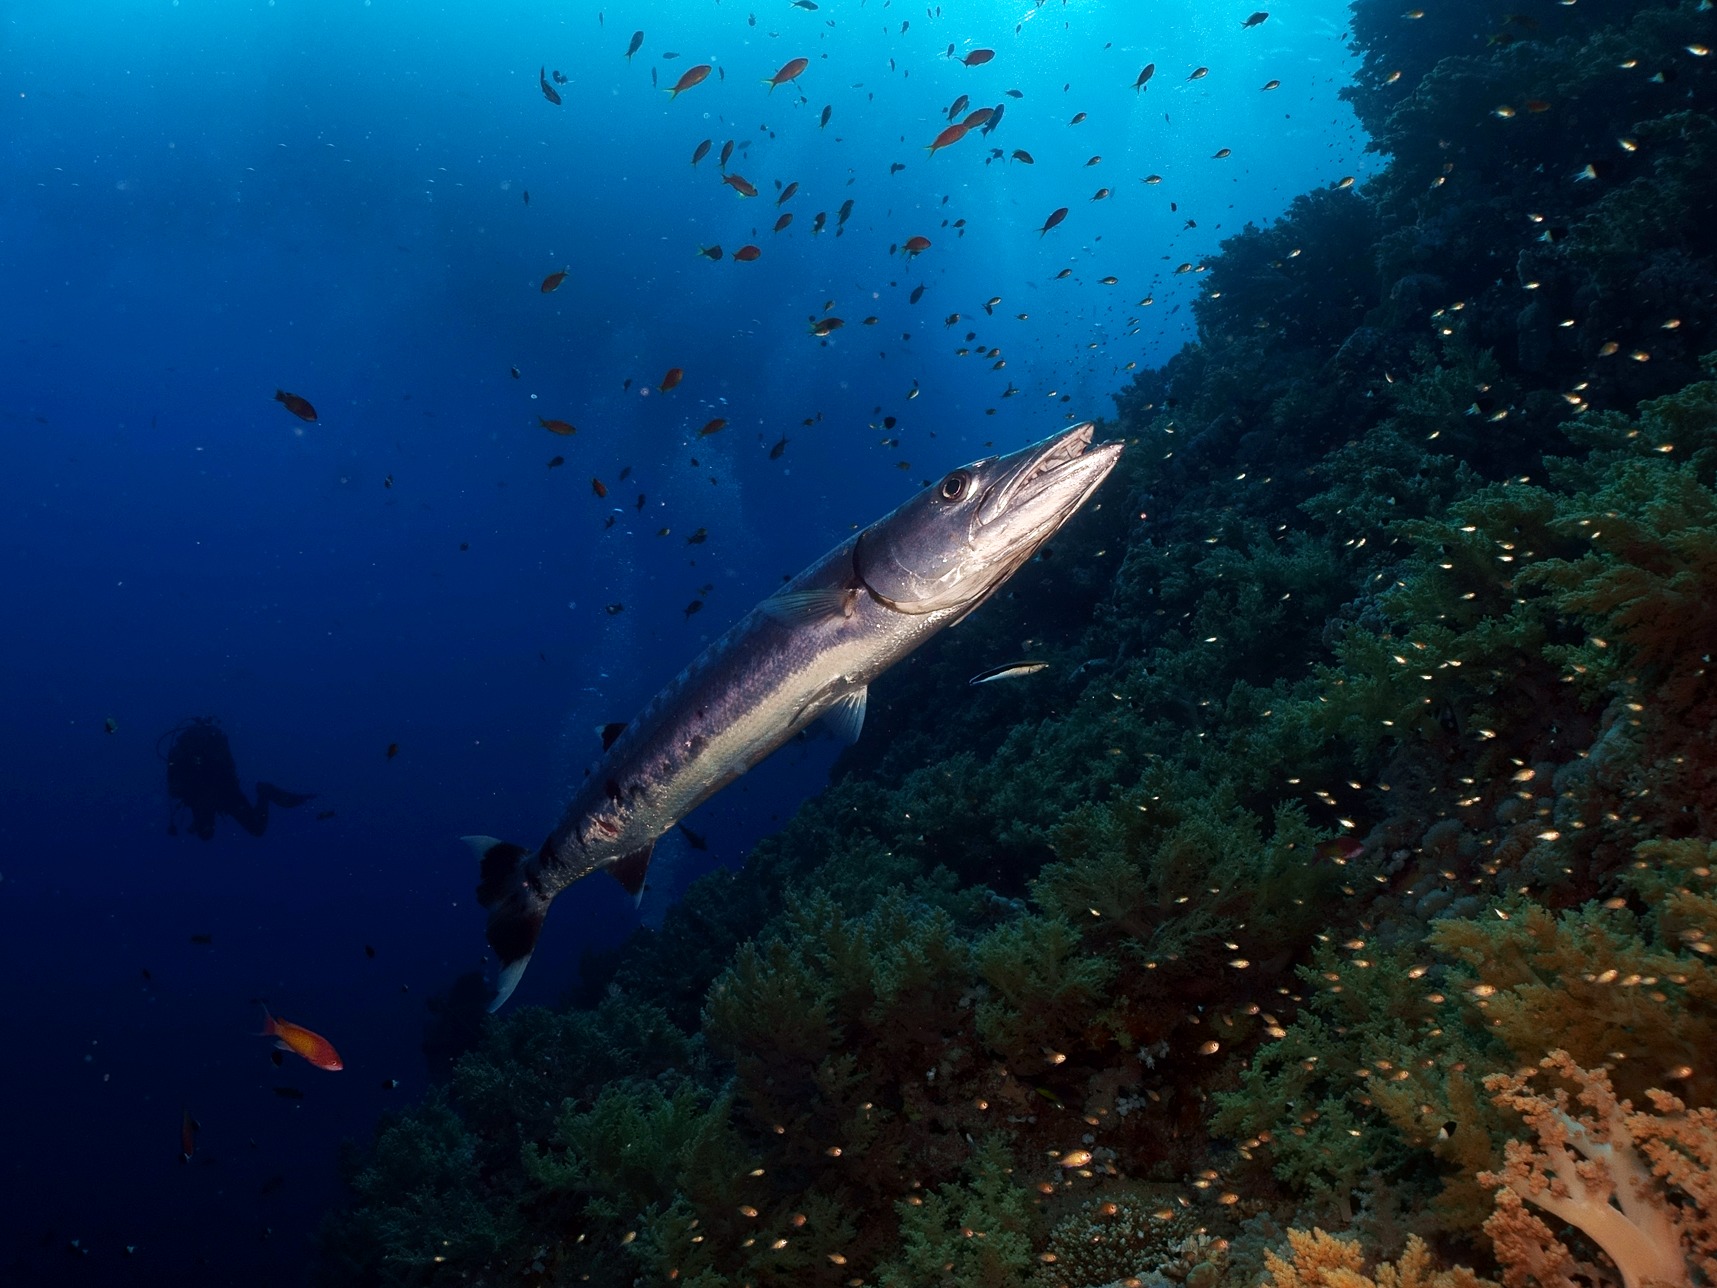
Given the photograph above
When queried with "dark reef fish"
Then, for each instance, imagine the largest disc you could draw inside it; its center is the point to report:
(299, 407)
(808, 651)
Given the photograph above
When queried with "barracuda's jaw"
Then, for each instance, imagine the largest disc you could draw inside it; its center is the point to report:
(950, 546)
(1043, 492)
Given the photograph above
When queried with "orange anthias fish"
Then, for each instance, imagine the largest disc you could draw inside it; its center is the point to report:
(978, 57)
(789, 71)
(745, 254)
(950, 136)
(553, 281)
(557, 427)
(299, 407)
(674, 376)
(915, 245)
(740, 184)
(1055, 217)
(693, 76)
(301, 1041)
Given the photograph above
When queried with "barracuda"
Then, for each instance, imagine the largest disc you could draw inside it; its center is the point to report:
(808, 651)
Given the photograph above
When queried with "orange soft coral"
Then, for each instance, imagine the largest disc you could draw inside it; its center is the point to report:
(1639, 1185)
(1321, 1260)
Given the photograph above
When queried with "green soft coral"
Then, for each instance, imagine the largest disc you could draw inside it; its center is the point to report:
(978, 1232)
(423, 1206)
(1604, 983)
(636, 1148)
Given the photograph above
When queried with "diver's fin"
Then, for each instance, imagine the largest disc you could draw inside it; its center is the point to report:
(516, 909)
(846, 717)
(629, 870)
(795, 606)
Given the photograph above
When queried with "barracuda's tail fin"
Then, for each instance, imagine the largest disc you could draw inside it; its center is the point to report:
(516, 909)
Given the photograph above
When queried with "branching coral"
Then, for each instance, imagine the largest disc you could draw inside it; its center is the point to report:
(1638, 1184)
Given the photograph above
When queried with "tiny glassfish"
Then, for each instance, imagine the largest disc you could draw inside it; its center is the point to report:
(1007, 671)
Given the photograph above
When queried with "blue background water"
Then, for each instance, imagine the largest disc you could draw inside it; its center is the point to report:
(201, 202)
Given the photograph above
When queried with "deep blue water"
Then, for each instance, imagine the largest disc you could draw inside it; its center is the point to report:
(202, 201)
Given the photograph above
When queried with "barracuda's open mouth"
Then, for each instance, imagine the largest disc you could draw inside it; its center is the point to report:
(950, 546)
(1053, 484)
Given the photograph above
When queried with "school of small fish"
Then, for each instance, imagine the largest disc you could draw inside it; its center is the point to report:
(800, 69)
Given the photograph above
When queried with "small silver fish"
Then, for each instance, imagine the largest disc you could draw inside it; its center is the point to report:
(1007, 671)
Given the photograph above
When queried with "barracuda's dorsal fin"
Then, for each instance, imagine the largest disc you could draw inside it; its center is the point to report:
(846, 716)
(629, 870)
(793, 606)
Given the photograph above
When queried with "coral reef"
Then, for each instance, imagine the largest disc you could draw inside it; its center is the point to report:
(1374, 763)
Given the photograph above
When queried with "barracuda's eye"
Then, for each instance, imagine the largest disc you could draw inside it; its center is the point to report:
(954, 486)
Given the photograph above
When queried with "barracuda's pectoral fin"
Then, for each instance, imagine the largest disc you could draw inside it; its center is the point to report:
(630, 869)
(794, 606)
(846, 717)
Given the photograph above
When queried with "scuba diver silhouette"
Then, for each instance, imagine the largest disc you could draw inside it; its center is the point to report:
(202, 778)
